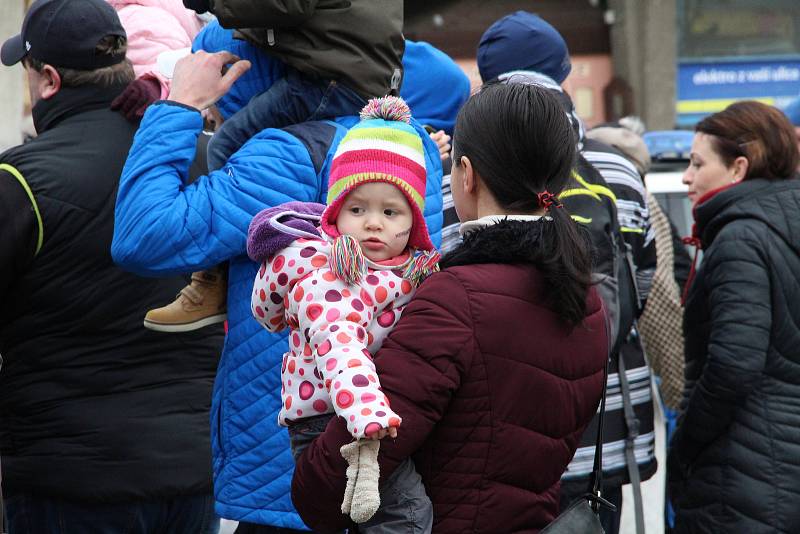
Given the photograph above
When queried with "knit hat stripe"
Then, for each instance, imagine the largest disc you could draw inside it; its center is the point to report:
(387, 133)
(363, 158)
(357, 145)
(339, 188)
(407, 181)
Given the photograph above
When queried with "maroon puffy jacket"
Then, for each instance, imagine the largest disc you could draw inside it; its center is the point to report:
(494, 392)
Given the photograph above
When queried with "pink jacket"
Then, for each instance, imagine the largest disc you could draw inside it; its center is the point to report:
(335, 328)
(153, 27)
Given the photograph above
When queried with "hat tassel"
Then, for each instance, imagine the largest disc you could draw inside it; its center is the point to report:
(347, 261)
(422, 266)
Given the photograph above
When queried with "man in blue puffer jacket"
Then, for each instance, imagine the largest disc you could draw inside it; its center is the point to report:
(165, 225)
(434, 86)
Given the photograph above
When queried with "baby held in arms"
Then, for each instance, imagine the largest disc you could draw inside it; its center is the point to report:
(339, 277)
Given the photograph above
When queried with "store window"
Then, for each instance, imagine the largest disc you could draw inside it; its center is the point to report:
(738, 28)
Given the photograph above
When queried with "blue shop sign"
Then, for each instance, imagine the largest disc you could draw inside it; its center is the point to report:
(708, 87)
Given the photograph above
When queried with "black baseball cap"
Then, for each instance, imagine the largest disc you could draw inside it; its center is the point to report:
(64, 33)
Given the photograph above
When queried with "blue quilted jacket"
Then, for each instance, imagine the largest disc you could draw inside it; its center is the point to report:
(165, 225)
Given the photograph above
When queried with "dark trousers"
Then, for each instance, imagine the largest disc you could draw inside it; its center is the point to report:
(405, 507)
(293, 99)
(28, 514)
(610, 520)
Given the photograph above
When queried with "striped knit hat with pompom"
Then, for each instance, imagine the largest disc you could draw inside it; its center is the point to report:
(383, 147)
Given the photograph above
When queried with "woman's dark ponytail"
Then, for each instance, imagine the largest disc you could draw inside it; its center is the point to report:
(565, 260)
(521, 143)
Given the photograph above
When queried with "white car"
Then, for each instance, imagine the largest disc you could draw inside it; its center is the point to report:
(670, 192)
(669, 151)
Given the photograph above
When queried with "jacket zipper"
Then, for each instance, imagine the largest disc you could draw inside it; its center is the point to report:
(271, 37)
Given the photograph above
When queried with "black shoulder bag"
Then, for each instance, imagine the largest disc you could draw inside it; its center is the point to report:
(581, 517)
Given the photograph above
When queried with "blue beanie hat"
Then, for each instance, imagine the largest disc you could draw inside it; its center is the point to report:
(434, 86)
(793, 111)
(523, 41)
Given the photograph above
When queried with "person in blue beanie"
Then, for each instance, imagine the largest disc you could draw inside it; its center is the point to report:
(523, 41)
(524, 48)
(435, 88)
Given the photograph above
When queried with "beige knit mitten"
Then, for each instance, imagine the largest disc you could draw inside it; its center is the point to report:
(350, 454)
(362, 496)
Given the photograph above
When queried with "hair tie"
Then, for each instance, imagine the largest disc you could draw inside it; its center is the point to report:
(547, 199)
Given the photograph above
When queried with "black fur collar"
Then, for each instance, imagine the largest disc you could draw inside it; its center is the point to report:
(508, 241)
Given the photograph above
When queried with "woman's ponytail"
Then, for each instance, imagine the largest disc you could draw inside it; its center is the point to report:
(565, 261)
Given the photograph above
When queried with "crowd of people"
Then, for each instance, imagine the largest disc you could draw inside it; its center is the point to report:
(401, 307)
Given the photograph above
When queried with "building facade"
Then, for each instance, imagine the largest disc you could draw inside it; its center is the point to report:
(731, 50)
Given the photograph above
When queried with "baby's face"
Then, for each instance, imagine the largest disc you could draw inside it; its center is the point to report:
(378, 215)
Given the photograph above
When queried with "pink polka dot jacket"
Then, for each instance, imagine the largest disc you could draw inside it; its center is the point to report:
(335, 329)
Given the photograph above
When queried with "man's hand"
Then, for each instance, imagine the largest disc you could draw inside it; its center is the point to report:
(199, 79)
(442, 140)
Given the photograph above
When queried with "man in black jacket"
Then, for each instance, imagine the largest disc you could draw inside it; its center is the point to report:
(103, 424)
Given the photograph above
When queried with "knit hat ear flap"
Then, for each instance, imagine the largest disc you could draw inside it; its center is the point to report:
(422, 266)
(383, 147)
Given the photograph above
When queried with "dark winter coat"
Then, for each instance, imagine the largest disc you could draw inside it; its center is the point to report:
(93, 406)
(494, 390)
(359, 42)
(735, 462)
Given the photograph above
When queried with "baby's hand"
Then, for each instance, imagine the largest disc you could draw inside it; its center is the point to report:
(442, 140)
(382, 433)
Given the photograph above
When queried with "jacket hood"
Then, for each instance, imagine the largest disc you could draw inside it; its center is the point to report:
(507, 242)
(434, 87)
(773, 202)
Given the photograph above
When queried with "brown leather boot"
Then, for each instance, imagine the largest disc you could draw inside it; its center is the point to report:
(201, 303)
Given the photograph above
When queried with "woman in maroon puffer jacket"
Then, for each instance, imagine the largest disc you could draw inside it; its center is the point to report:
(496, 366)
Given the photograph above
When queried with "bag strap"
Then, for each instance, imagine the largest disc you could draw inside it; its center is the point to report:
(632, 424)
(21, 179)
(631, 421)
(596, 479)
(2, 505)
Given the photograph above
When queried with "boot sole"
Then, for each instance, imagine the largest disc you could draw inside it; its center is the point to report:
(185, 327)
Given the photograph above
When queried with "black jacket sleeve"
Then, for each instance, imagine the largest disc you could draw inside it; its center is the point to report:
(19, 230)
(738, 286)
